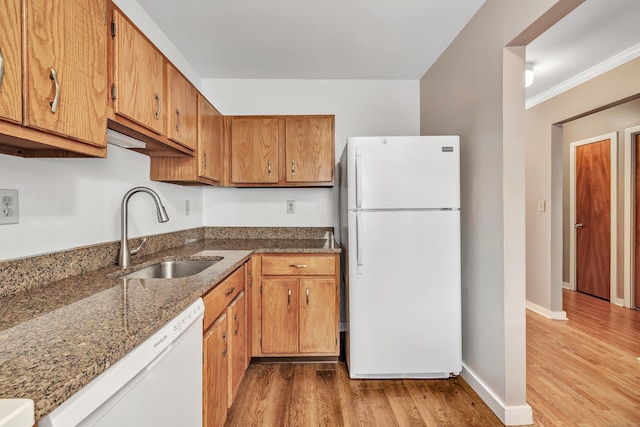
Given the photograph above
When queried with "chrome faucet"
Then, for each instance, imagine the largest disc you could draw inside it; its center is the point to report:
(125, 253)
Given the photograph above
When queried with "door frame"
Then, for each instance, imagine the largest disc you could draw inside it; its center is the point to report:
(629, 214)
(613, 161)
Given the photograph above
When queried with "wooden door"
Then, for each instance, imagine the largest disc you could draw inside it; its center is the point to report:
(138, 77)
(309, 149)
(210, 141)
(637, 273)
(182, 99)
(236, 313)
(318, 316)
(215, 374)
(66, 72)
(593, 218)
(254, 150)
(279, 316)
(11, 58)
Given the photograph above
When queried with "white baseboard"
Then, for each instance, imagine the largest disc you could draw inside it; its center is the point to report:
(618, 301)
(553, 315)
(509, 415)
(566, 285)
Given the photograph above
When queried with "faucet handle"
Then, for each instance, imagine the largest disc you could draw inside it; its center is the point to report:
(136, 250)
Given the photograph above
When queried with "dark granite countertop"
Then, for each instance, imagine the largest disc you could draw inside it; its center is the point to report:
(54, 339)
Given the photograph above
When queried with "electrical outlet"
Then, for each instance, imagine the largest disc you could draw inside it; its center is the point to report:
(187, 207)
(291, 206)
(9, 206)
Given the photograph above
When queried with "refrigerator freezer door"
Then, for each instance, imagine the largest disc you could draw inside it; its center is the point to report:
(417, 172)
(403, 301)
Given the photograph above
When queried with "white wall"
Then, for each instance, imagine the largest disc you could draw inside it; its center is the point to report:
(361, 107)
(66, 203)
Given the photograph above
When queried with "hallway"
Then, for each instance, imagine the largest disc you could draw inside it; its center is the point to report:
(584, 371)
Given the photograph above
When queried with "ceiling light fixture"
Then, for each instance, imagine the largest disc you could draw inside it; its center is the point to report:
(528, 74)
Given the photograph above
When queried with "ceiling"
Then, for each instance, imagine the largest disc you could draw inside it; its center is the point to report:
(373, 39)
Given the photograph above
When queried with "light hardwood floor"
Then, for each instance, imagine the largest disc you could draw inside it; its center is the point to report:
(580, 372)
(584, 371)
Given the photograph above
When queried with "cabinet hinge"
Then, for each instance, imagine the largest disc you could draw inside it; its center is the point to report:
(114, 92)
(113, 28)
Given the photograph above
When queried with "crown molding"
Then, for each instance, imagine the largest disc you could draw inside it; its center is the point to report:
(615, 61)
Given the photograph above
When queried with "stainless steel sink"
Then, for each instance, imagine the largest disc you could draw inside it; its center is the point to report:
(172, 269)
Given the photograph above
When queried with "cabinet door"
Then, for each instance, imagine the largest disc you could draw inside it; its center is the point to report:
(254, 150)
(138, 77)
(11, 60)
(318, 316)
(66, 81)
(183, 103)
(214, 382)
(236, 312)
(309, 149)
(210, 141)
(279, 316)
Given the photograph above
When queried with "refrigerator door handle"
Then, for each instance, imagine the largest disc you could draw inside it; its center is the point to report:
(358, 178)
(359, 243)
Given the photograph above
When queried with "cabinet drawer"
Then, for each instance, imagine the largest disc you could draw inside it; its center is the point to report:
(217, 299)
(298, 265)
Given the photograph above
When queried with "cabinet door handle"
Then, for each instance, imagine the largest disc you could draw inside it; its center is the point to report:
(237, 319)
(289, 297)
(293, 167)
(159, 104)
(307, 296)
(224, 337)
(269, 167)
(298, 265)
(179, 120)
(205, 161)
(56, 99)
(1, 68)
(229, 292)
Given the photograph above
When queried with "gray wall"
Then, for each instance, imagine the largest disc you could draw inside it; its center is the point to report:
(476, 90)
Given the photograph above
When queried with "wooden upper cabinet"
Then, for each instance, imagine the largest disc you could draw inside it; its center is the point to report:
(138, 77)
(182, 101)
(309, 149)
(210, 141)
(282, 151)
(66, 68)
(254, 150)
(11, 58)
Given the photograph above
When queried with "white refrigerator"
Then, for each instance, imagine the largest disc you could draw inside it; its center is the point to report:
(400, 235)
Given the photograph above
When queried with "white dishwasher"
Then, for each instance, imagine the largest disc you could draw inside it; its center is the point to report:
(158, 383)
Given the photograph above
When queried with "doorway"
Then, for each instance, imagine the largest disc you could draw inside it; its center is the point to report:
(632, 218)
(593, 218)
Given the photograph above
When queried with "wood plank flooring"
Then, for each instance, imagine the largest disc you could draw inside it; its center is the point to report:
(321, 394)
(584, 371)
(580, 372)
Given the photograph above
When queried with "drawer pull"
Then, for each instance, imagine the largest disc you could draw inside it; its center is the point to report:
(229, 292)
(298, 265)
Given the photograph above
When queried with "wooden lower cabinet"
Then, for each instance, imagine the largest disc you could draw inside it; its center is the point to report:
(297, 311)
(224, 354)
(236, 312)
(214, 382)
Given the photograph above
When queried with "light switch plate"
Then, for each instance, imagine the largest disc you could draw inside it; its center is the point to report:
(9, 212)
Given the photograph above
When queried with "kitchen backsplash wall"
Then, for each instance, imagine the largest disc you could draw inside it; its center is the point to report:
(67, 203)
(361, 107)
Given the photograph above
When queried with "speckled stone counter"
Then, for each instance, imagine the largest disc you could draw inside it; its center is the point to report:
(56, 337)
